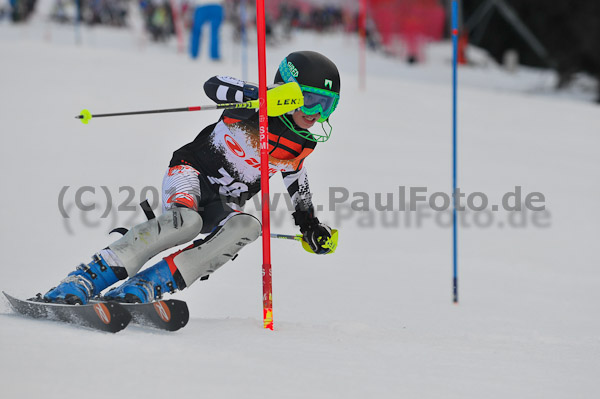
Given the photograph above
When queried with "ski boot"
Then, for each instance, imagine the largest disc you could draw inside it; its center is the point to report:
(84, 283)
(146, 286)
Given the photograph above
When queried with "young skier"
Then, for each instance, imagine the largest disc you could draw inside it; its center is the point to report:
(208, 180)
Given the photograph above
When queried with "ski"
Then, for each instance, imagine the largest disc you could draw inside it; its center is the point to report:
(169, 315)
(106, 316)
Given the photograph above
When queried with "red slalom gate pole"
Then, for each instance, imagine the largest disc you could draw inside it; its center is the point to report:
(264, 167)
(177, 22)
(362, 57)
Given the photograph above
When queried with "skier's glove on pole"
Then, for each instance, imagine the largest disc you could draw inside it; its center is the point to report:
(317, 235)
(251, 90)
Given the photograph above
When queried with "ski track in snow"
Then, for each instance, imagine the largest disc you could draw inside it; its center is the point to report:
(373, 320)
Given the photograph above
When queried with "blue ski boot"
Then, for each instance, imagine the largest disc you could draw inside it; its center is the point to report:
(84, 283)
(146, 286)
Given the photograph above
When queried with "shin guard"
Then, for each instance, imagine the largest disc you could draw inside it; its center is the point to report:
(201, 259)
(174, 227)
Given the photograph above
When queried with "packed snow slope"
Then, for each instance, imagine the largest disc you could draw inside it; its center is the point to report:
(373, 320)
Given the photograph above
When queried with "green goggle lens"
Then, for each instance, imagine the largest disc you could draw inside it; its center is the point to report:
(319, 101)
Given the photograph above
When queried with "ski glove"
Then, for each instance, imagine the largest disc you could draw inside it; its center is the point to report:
(317, 235)
(251, 90)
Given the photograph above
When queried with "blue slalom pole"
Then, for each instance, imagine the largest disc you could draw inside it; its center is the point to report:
(78, 21)
(454, 227)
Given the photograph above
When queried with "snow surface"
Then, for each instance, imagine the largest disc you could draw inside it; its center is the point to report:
(373, 320)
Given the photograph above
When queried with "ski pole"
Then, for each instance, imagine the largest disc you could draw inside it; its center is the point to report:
(297, 237)
(280, 100)
(86, 115)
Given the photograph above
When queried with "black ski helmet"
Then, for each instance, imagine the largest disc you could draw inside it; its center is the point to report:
(313, 69)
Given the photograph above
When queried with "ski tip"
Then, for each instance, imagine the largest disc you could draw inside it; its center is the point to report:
(11, 299)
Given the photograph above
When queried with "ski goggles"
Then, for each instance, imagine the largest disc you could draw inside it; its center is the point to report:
(319, 101)
(315, 100)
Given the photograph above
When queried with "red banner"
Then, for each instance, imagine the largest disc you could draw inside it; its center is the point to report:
(410, 22)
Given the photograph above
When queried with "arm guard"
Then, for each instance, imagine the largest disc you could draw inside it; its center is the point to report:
(224, 89)
(297, 185)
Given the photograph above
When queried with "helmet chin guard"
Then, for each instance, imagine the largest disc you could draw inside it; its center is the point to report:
(316, 137)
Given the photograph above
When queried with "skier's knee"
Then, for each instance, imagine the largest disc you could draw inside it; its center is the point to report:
(174, 227)
(199, 261)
